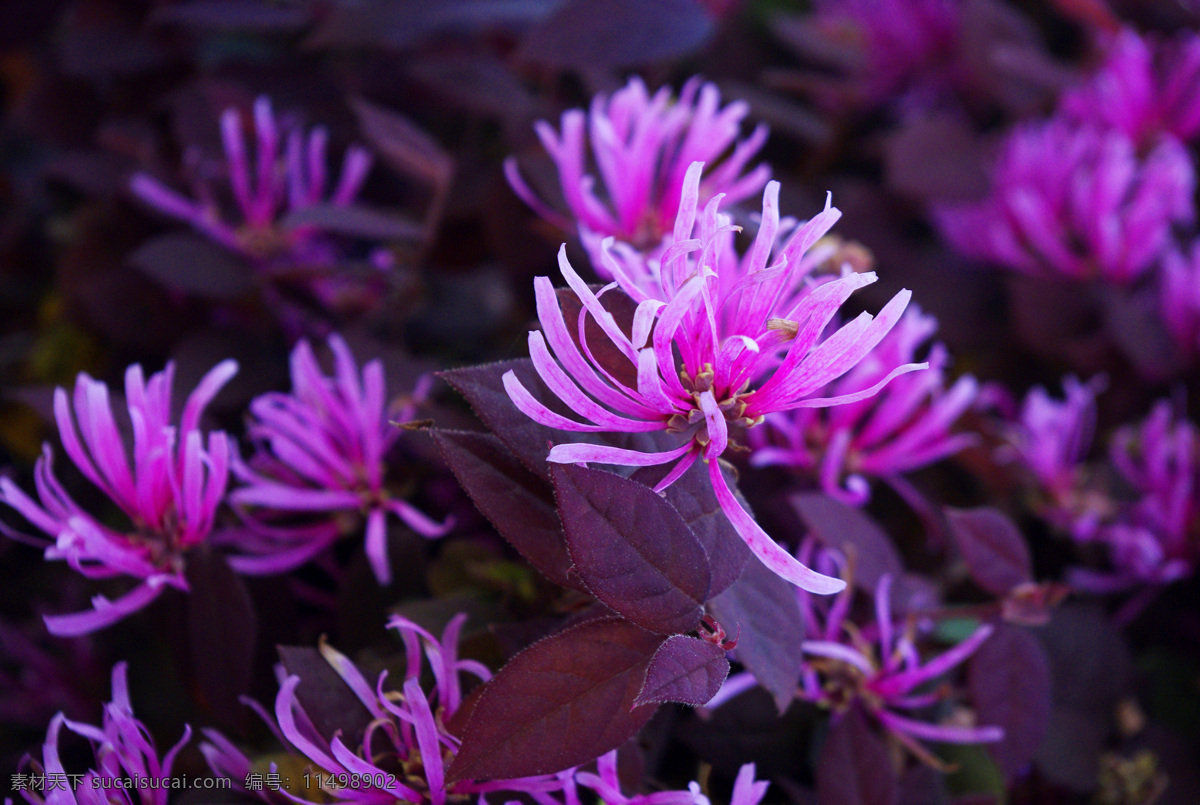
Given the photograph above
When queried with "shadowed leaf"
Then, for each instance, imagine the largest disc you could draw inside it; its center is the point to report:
(561, 702)
(848, 530)
(632, 549)
(192, 264)
(598, 34)
(223, 629)
(993, 548)
(685, 670)
(355, 222)
(516, 502)
(1009, 679)
(854, 767)
(327, 700)
(760, 609)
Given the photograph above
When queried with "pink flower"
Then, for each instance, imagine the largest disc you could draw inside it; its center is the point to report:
(407, 741)
(323, 448)
(284, 176)
(1051, 439)
(1154, 539)
(885, 672)
(1076, 202)
(1146, 88)
(898, 45)
(643, 145)
(877, 665)
(607, 786)
(123, 750)
(722, 341)
(1179, 297)
(170, 494)
(904, 427)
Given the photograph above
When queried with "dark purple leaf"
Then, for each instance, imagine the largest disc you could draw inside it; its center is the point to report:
(189, 263)
(403, 144)
(355, 222)
(327, 700)
(854, 767)
(760, 610)
(1009, 679)
(484, 390)
(848, 530)
(598, 34)
(993, 548)
(516, 502)
(692, 496)
(632, 549)
(685, 670)
(561, 702)
(222, 630)
(936, 158)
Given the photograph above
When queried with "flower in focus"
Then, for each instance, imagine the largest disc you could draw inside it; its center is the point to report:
(1144, 89)
(124, 751)
(1051, 439)
(904, 427)
(407, 741)
(1075, 202)
(170, 494)
(718, 341)
(323, 449)
(284, 176)
(643, 145)
(1156, 538)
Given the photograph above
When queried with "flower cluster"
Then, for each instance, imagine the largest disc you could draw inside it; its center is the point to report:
(1051, 440)
(169, 495)
(747, 330)
(1144, 88)
(1075, 201)
(1148, 522)
(322, 449)
(643, 145)
(905, 427)
(123, 750)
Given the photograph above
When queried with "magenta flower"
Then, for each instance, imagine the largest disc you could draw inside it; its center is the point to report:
(1051, 439)
(885, 673)
(643, 145)
(1179, 297)
(898, 45)
(407, 742)
(284, 176)
(904, 427)
(1154, 539)
(877, 665)
(723, 341)
(170, 494)
(323, 449)
(123, 750)
(1146, 88)
(607, 786)
(1075, 202)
